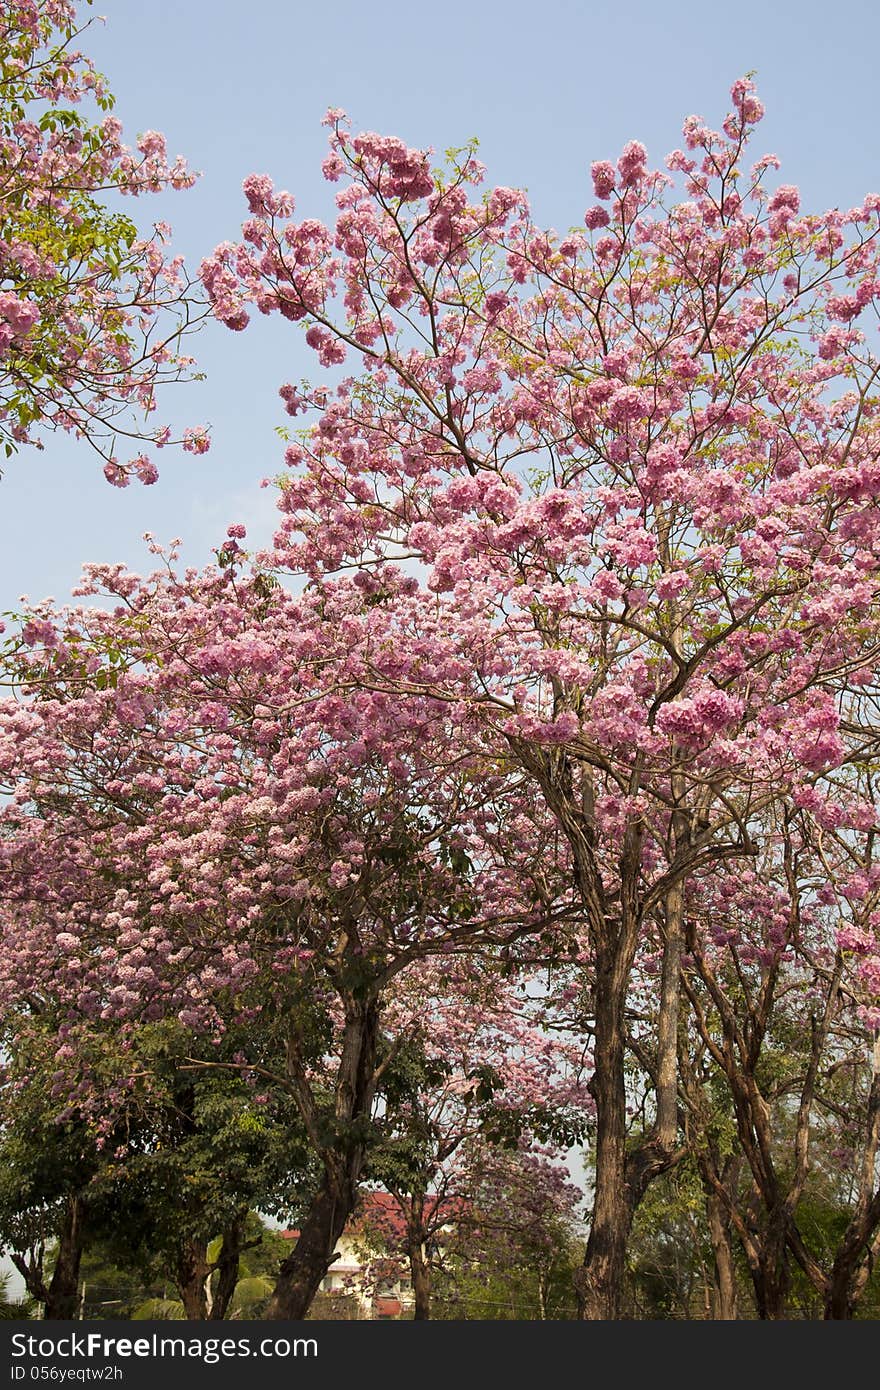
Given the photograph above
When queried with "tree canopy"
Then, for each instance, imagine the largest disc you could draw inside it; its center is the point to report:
(521, 793)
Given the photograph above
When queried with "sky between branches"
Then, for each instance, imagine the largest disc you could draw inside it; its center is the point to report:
(240, 88)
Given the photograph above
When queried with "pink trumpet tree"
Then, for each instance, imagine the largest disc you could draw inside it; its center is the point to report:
(779, 1011)
(485, 1065)
(91, 311)
(192, 805)
(633, 471)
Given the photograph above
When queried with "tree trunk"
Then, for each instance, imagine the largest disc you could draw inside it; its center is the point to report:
(724, 1293)
(844, 1307)
(599, 1284)
(300, 1274)
(854, 1262)
(667, 1023)
(421, 1279)
(191, 1278)
(771, 1277)
(619, 1184)
(226, 1265)
(61, 1296)
(622, 1179)
(839, 1306)
(858, 1247)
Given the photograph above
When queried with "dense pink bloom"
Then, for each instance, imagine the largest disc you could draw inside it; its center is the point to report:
(603, 178)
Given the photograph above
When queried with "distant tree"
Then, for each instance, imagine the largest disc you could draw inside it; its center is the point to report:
(783, 1000)
(118, 1282)
(632, 471)
(479, 1072)
(49, 1166)
(236, 821)
(513, 1252)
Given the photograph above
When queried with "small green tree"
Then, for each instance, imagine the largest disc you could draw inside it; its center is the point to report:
(13, 1307)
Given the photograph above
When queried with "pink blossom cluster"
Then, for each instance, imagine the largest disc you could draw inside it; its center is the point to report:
(101, 314)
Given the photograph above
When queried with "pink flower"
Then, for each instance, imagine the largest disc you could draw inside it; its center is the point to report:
(116, 474)
(627, 403)
(145, 469)
(603, 178)
(293, 400)
(669, 586)
(20, 314)
(495, 302)
(152, 144)
(333, 167)
(786, 198)
(196, 441)
(679, 163)
(631, 164)
(749, 108)
(843, 307)
(259, 190)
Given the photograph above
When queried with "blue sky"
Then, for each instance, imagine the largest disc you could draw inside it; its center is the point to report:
(547, 88)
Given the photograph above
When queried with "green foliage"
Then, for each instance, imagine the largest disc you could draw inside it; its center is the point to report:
(11, 1308)
(189, 1140)
(499, 1271)
(514, 1250)
(117, 1283)
(251, 1296)
(43, 1158)
(669, 1258)
(157, 1309)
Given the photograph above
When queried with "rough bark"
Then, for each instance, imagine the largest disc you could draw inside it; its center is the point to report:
(724, 1291)
(191, 1270)
(667, 1022)
(771, 1277)
(620, 1180)
(60, 1296)
(227, 1266)
(599, 1286)
(300, 1274)
(421, 1278)
(858, 1245)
